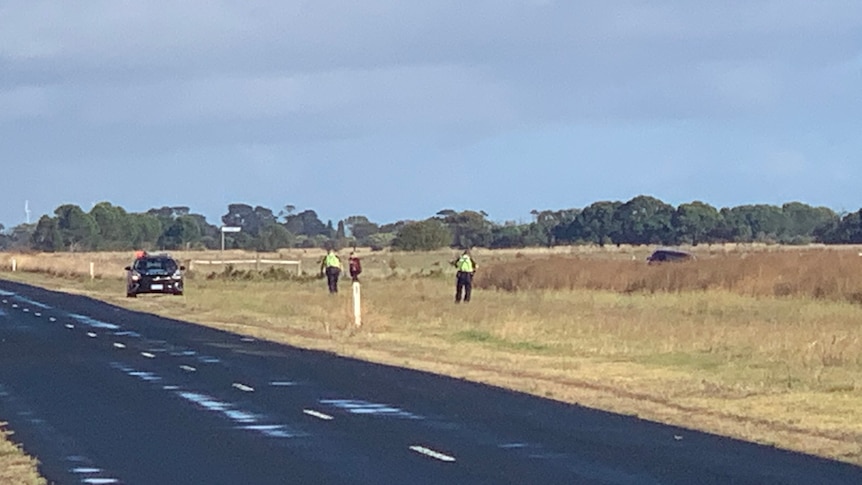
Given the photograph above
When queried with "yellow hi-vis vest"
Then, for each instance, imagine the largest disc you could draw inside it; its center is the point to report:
(465, 264)
(332, 260)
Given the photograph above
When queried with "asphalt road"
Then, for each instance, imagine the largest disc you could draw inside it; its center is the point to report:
(104, 395)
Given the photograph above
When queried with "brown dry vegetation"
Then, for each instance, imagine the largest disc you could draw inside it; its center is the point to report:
(834, 274)
(759, 343)
(15, 468)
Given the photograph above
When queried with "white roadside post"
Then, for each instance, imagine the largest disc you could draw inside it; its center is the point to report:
(225, 229)
(357, 306)
(92, 270)
(14, 265)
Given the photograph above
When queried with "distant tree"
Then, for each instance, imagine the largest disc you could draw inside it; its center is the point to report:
(804, 221)
(469, 228)
(286, 211)
(593, 224)
(210, 234)
(746, 223)
(181, 234)
(394, 227)
(644, 220)
(424, 235)
(380, 240)
(144, 230)
(508, 236)
(695, 221)
(251, 220)
(361, 228)
(768, 222)
(113, 226)
(548, 225)
(78, 229)
(847, 231)
(274, 237)
(306, 223)
(732, 227)
(20, 237)
(47, 236)
(167, 214)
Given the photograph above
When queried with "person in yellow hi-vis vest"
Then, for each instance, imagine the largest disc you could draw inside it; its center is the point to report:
(331, 267)
(466, 267)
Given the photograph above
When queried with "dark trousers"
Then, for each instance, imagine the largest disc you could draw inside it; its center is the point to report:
(332, 274)
(463, 283)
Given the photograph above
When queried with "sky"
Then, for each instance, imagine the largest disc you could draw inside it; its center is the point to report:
(398, 109)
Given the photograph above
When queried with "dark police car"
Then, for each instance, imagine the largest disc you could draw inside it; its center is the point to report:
(154, 273)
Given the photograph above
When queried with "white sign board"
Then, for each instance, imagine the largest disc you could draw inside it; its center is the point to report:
(230, 229)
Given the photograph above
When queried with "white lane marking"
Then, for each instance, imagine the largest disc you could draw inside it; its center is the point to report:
(52, 319)
(148, 355)
(212, 404)
(145, 376)
(93, 322)
(33, 302)
(271, 430)
(127, 333)
(431, 453)
(188, 368)
(100, 481)
(69, 325)
(91, 335)
(318, 414)
(247, 339)
(282, 383)
(119, 345)
(513, 445)
(355, 406)
(86, 470)
(243, 387)
(170, 388)
(14, 305)
(38, 314)
(26, 310)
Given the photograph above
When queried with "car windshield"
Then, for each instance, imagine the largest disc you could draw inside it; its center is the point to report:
(156, 264)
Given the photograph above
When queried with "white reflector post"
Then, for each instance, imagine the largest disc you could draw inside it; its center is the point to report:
(357, 305)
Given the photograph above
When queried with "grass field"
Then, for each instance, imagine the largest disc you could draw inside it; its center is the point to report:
(758, 343)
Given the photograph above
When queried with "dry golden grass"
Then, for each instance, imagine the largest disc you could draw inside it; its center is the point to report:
(829, 274)
(15, 467)
(711, 345)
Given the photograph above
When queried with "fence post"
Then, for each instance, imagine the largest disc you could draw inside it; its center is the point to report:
(14, 265)
(92, 270)
(357, 306)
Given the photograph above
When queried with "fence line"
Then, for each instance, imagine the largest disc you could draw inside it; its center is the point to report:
(255, 262)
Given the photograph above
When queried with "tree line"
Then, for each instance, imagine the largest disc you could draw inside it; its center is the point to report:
(641, 220)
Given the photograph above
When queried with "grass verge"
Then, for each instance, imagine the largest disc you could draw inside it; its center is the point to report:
(15, 467)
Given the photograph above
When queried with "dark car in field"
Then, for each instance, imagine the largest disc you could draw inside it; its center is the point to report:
(669, 255)
(157, 273)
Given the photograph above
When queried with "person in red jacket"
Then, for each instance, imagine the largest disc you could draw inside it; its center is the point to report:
(355, 266)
